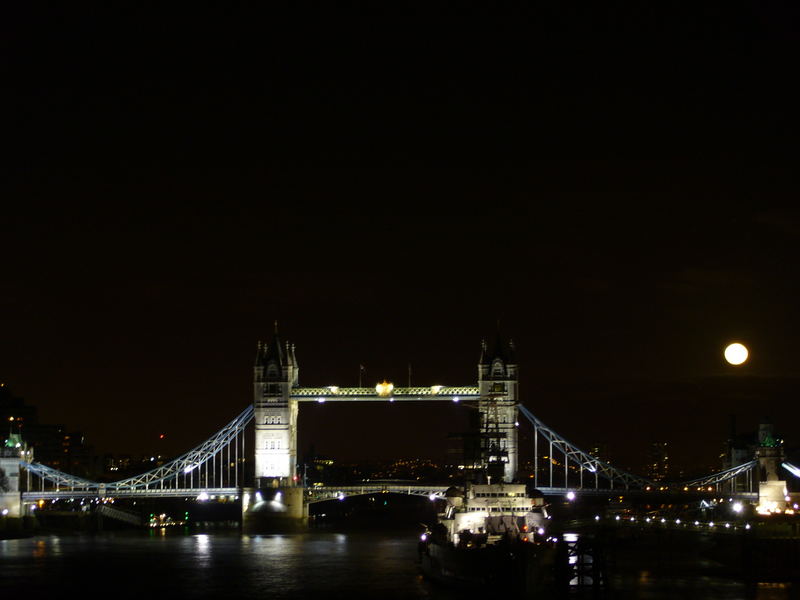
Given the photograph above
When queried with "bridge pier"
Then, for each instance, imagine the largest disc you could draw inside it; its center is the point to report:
(275, 509)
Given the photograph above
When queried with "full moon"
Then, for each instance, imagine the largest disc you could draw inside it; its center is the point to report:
(736, 353)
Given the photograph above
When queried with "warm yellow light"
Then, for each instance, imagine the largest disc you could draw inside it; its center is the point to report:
(435, 389)
(736, 353)
(384, 389)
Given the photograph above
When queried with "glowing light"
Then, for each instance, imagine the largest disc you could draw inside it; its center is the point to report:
(5, 512)
(435, 389)
(432, 497)
(334, 389)
(737, 507)
(456, 399)
(570, 495)
(540, 531)
(202, 496)
(736, 353)
(190, 468)
(321, 400)
(384, 389)
(424, 537)
(340, 496)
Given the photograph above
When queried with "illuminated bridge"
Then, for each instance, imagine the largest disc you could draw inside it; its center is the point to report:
(216, 467)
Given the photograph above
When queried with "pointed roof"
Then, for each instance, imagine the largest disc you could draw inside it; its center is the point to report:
(501, 349)
(271, 352)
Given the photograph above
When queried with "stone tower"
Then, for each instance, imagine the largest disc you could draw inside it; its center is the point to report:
(769, 452)
(276, 373)
(497, 383)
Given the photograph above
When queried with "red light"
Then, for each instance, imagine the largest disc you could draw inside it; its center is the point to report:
(524, 528)
(161, 437)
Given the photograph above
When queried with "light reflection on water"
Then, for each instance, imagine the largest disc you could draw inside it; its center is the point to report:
(326, 565)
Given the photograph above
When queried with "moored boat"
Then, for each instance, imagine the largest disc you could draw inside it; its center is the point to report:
(490, 536)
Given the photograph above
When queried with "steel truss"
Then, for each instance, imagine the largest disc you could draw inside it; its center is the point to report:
(720, 477)
(192, 467)
(583, 461)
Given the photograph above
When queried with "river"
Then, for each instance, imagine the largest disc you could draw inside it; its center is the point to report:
(353, 565)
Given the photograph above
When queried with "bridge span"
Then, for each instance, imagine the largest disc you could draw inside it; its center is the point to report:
(216, 467)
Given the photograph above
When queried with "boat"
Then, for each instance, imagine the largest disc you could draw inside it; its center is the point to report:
(490, 536)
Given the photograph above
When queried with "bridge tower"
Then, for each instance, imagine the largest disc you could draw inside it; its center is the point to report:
(771, 489)
(276, 373)
(497, 407)
(10, 454)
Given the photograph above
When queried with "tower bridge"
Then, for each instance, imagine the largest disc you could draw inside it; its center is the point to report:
(216, 467)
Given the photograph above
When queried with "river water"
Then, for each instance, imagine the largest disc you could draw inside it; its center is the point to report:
(352, 565)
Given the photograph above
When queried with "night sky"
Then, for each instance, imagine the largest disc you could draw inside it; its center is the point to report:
(615, 188)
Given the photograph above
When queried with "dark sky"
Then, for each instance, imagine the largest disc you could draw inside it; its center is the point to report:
(615, 187)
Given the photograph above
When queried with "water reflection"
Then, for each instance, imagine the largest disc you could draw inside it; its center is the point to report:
(327, 565)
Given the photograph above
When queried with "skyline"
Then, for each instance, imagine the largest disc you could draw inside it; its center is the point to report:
(125, 340)
(627, 412)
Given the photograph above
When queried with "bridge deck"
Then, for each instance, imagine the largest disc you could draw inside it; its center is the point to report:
(407, 394)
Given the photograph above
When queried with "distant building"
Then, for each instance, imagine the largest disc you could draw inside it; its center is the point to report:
(599, 449)
(658, 461)
(53, 445)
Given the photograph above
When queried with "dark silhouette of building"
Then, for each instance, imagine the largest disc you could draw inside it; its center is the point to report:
(53, 445)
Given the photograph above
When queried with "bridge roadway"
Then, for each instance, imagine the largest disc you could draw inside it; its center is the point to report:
(322, 493)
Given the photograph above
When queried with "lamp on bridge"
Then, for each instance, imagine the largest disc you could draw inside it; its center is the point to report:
(384, 389)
